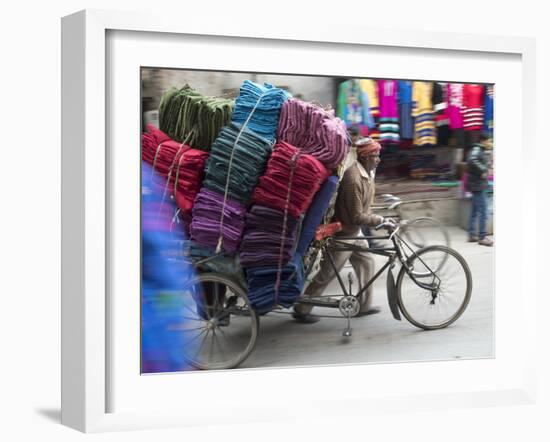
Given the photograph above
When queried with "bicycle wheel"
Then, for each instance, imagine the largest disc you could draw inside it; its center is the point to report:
(424, 232)
(221, 328)
(435, 288)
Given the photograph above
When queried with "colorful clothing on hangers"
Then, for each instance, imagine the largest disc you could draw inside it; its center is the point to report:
(439, 98)
(389, 122)
(370, 87)
(406, 121)
(424, 124)
(454, 105)
(488, 115)
(472, 106)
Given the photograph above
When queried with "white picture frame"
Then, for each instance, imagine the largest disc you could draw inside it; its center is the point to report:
(85, 202)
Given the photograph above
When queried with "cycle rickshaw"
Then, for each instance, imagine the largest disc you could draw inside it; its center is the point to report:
(432, 289)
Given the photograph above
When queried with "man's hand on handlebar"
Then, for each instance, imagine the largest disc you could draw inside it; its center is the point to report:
(388, 223)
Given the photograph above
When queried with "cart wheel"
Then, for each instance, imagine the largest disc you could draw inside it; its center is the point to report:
(220, 327)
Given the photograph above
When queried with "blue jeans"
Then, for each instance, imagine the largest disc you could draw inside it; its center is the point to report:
(479, 209)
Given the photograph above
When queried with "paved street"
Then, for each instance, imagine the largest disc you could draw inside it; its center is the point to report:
(380, 338)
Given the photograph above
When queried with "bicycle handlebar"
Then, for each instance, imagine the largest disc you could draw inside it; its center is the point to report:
(388, 226)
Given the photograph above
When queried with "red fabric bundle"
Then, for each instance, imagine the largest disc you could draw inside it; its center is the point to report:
(181, 167)
(291, 180)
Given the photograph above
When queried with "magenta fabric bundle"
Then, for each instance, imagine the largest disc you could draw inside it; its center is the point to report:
(267, 240)
(315, 131)
(159, 150)
(291, 180)
(208, 226)
(180, 166)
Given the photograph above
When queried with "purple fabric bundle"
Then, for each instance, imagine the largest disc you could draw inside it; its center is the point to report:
(263, 236)
(207, 216)
(314, 131)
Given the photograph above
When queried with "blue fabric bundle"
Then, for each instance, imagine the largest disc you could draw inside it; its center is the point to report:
(315, 213)
(266, 102)
(247, 156)
(261, 281)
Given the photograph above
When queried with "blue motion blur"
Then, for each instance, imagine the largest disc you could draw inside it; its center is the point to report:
(164, 272)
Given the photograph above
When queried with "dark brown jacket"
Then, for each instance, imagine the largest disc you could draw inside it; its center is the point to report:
(355, 196)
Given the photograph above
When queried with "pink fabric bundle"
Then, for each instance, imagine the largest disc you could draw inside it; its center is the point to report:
(181, 167)
(291, 180)
(314, 130)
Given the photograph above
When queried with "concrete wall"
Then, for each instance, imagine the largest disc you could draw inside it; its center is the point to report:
(156, 81)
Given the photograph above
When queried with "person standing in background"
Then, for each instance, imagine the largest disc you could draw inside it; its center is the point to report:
(477, 184)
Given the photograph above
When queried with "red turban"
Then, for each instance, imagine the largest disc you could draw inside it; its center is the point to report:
(366, 146)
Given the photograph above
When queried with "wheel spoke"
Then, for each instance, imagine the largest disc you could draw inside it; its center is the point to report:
(219, 344)
(216, 296)
(224, 335)
(195, 337)
(202, 343)
(181, 327)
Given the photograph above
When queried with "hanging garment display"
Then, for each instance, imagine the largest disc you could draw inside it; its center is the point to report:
(406, 121)
(237, 159)
(315, 131)
(389, 122)
(259, 106)
(488, 108)
(472, 106)
(291, 180)
(424, 124)
(439, 99)
(353, 106)
(185, 114)
(269, 237)
(350, 104)
(370, 88)
(454, 105)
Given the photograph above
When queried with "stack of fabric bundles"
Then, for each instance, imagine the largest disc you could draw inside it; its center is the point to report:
(270, 285)
(237, 159)
(315, 131)
(268, 237)
(215, 218)
(188, 116)
(259, 107)
(291, 180)
(180, 166)
(281, 284)
(284, 194)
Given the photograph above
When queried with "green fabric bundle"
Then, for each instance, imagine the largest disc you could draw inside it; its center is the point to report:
(190, 117)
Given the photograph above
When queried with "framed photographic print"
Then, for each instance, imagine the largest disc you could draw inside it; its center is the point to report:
(206, 197)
